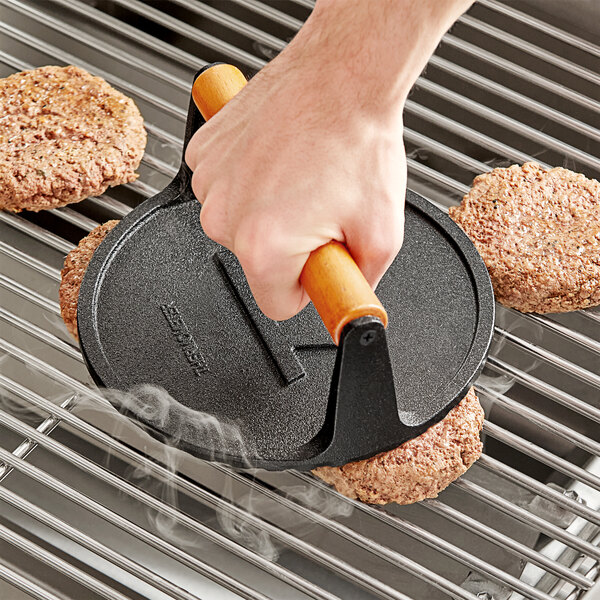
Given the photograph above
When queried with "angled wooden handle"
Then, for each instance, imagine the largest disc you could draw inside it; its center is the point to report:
(332, 279)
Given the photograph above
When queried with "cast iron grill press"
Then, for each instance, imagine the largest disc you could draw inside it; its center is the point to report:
(162, 304)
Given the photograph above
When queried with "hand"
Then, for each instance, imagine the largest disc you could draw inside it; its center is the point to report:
(311, 149)
(283, 169)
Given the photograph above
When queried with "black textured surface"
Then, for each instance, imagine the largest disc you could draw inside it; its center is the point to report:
(162, 304)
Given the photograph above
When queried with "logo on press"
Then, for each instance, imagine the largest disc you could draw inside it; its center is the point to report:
(184, 338)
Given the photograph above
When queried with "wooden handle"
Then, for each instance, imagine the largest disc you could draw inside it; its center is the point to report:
(338, 289)
(215, 87)
(332, 279)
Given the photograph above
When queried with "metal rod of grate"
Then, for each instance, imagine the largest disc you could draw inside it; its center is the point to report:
(452, 182)
(117, 447)
(60, 565)
(565, 539)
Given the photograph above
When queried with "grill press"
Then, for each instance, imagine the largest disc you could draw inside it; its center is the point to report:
(163, 304)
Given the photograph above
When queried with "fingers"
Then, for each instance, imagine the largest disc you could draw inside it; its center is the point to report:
(374, 243)
(272, 268)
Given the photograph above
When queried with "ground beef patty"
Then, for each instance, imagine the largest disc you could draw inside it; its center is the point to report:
(64, 135)
(420, 468)
(73, 271)
(538, 232)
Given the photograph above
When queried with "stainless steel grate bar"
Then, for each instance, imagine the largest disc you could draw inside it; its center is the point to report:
(161, 472)
(145, 190)
(509, 123)
(516, 97)
(591, 315)
(535, 451)
(123, 562)
(58, 564)
(272, 13)
(40, 334)
(467, 133)
(18, 64)
(542, 421)
(527, 518)
(36, 232)
(533, 485)
(153, 540)
(199, 528)
(116, 446)
(161, 166)
(26, 585)
(310, 551)
(111, 204)
(28, 294)
(435, 176)
(75, 218)
(162, 135)
(29, 261)
(551, 358)
(95, 42)
(542, 26)
(155, 468)
(35, 363)
(391, 556)
(570, 334)
(414, 531)
(193, 33)
(507, 543)
(529, 48)
(234, 24)
(546, 389)
(522, 72)
(132, 33)
(26, 447)
(422, 141)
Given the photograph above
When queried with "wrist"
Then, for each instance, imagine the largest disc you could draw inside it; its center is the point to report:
(372, 53)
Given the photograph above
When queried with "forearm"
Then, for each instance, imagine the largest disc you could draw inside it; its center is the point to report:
(372, 50)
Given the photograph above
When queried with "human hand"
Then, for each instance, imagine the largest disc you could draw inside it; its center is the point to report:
(311, 149)
(277, 182)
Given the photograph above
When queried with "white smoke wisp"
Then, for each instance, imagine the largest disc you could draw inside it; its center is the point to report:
(323, 501)
(242, 500)
(500, 383)
(240, 529)
(154, 406)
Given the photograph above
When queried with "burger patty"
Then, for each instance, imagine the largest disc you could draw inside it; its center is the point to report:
(538, 232)
(418, 469)
(64, 136)
(73, 271)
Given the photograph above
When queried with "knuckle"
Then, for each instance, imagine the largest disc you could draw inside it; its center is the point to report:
(198, 184)
(255, 248)
(212, 223)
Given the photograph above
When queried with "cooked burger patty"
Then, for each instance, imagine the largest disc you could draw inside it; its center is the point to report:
(73, 271)
(538, 232)
(418, 469)
(64, 135)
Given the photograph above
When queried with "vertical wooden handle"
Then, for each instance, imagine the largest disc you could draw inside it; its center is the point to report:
(215, 87)
(332, 279)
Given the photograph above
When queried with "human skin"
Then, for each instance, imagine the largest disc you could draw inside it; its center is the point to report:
(311, 149)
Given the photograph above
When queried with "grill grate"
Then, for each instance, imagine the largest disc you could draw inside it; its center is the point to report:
(93, 507)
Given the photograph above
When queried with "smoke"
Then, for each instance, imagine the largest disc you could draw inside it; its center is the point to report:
(155, 407)
(495, 382)
(241, 489)
(239, 529)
